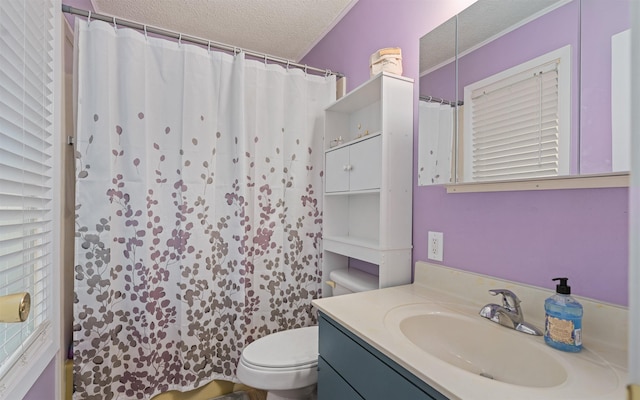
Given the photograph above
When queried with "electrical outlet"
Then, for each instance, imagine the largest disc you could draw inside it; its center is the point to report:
(435, 246)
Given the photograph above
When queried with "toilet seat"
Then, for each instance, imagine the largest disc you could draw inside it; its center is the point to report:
(285, 349)
(281, 361)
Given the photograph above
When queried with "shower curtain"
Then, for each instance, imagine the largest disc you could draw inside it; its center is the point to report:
(198, 210)
(436, 132)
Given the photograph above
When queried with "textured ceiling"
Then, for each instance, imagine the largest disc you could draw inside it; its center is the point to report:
(480, 22)
(283, 28)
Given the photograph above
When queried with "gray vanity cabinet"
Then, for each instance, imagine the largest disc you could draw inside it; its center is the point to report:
(349, 368)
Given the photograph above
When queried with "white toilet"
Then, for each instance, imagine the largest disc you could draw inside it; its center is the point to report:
(285, 364)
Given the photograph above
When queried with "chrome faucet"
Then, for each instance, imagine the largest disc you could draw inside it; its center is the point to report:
(508, 314)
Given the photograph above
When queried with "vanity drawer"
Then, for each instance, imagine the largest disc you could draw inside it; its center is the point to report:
(333, 386)
(370, 373)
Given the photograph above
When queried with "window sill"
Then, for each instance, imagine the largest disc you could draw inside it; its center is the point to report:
(599, 181)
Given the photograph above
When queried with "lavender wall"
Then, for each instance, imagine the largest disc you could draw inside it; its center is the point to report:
(528, 237)
(45, 386)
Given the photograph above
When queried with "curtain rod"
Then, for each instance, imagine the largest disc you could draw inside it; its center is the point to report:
(192, 39)
(432, 99)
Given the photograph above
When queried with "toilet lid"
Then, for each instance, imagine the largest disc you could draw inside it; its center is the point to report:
(290, 348)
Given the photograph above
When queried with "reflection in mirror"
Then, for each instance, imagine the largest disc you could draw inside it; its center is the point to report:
(436, 111)
(520, 115)
(537, 92)
(605, 90)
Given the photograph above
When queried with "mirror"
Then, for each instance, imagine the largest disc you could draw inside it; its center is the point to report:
(563, 66)
(436, 114)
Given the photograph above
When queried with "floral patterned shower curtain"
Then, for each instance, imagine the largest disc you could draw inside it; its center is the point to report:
(198, 210)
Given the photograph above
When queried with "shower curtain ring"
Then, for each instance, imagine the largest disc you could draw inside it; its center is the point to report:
(305, 69)
(265, 59)
(145, 33)
(327, 72)
(209, 47)
(115, 26)
(180, 40)
(89, 18)
(288, 61)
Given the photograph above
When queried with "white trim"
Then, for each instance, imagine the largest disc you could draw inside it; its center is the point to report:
(599, 181)
(22, 376)
(65, 34)
(634, 205)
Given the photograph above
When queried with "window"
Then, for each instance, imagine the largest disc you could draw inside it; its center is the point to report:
(518, 121)
(28, 194)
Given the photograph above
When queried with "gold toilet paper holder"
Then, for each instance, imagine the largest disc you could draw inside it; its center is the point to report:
(15, 307)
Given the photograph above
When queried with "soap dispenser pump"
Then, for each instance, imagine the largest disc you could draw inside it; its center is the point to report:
(563, 319)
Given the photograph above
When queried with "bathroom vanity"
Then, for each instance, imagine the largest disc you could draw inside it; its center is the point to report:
(350, 369)
(427, 341)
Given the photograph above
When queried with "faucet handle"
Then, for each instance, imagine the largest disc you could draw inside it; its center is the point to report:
(513, 305)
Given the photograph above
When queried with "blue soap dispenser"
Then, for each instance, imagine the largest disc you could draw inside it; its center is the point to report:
(563, 319)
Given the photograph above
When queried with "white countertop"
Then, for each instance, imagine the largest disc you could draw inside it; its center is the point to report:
(364, 314)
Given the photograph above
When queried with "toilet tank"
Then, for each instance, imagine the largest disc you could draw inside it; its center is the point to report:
(352, 280)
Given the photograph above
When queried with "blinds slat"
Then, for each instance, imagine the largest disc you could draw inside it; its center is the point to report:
(547, 70)
(550, 135)
(520, 175)
(519, 94)
(529, 164)
(16, 282)
(493, 153)
(532, 166)
(24, 242)
(516, 128)
(22, 149)
(23, 182)
(12, 160)
(516, 156)
(530, 119)
(14, 262)
(518, 106)
(13, 202)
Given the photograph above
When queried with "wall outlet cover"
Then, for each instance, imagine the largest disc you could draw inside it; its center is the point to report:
(435, 246)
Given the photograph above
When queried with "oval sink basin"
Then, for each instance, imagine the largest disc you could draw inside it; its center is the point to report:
(481, 349)
(452, 345)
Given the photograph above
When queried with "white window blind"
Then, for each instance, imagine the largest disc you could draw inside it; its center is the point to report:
(26, 175)
(517, 124)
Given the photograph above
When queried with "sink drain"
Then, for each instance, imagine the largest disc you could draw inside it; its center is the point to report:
(486, 375)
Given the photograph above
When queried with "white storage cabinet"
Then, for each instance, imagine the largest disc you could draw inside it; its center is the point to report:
(368, 179)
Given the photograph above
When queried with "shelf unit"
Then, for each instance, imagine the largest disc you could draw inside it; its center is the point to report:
(368, 179)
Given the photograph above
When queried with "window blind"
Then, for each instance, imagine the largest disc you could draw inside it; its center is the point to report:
(26, 165)
(515, 126)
